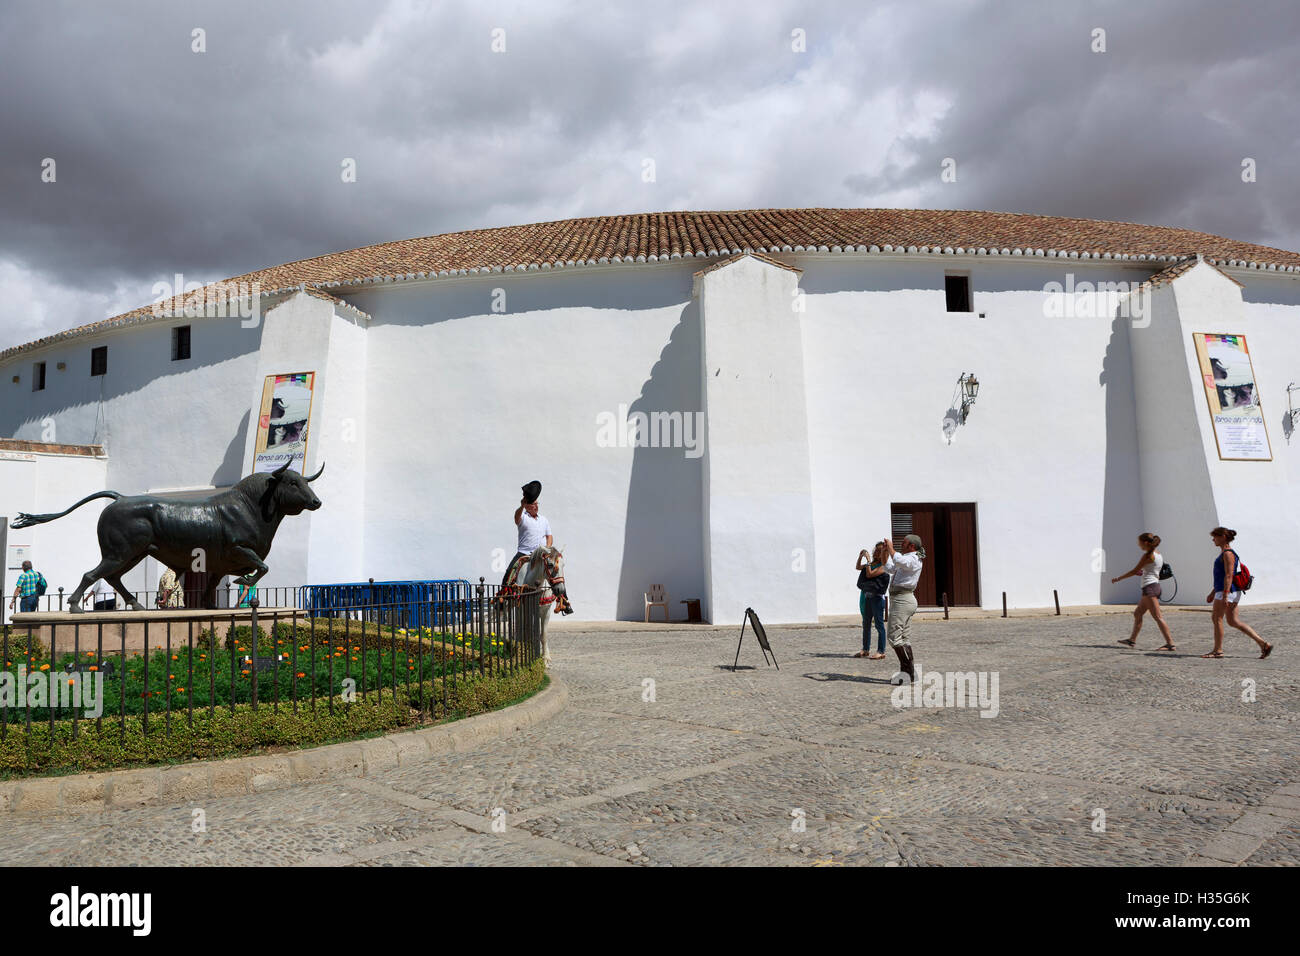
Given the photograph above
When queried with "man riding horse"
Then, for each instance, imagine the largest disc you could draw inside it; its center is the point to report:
(535, 533)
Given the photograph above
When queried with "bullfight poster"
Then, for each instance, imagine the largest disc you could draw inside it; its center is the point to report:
(283, 420)
(1233, 396)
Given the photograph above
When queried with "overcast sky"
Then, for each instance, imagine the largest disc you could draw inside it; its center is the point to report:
(216, 163)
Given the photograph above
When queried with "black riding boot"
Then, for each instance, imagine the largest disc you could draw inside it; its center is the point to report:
(905, 661)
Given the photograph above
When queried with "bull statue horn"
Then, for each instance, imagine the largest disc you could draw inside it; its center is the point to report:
(318, 473)
(282, 469)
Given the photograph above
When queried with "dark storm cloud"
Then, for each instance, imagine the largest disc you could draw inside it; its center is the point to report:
(218, 163)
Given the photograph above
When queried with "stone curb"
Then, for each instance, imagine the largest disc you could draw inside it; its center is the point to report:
(924, 616)
(242, 775)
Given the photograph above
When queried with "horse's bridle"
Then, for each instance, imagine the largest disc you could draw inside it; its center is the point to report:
(553, 577)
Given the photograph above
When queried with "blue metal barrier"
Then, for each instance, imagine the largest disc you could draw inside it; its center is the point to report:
(410, 604)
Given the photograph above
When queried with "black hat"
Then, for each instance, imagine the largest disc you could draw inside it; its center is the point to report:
(532, 491)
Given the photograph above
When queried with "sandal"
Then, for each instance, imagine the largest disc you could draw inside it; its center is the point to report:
(877, 657)
(1131, 642)
(861, 654)
(1166, 647)
(1212, 654)
(1268, 649)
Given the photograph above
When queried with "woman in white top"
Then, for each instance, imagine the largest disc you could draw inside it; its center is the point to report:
(1148, 569)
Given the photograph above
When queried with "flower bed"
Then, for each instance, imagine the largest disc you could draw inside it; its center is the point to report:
(327, 680)
(242, 731)
(307, 663)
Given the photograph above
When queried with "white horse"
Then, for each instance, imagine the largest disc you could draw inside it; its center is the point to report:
(544, 570)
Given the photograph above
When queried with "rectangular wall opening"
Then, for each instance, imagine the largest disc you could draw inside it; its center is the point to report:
(948, 534)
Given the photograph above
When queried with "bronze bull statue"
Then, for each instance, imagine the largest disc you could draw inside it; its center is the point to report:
(231, 531)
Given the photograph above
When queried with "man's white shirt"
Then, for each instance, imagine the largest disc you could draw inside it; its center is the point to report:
(905, 568)
(532, 532)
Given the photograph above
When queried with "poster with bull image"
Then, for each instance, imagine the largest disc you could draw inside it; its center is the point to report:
(1233, 395)
(282, 421)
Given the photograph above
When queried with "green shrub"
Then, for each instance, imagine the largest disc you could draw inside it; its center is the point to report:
(18, 644)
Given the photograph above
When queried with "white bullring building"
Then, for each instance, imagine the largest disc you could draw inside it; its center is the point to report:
(730, 404)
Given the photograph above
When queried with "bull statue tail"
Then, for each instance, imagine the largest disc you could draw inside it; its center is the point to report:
(26, 520)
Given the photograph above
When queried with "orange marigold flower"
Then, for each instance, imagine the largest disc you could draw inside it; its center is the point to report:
(45, 667)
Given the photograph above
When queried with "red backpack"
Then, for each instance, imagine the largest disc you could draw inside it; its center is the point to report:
(1242, 579)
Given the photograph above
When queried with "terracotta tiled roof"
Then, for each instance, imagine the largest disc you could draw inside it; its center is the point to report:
(50, 448)
(1173, 272)
(753, 255)
(652, 237)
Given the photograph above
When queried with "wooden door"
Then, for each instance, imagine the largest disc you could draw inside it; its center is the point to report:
(963, 563)
(947, 533)
(918, 519)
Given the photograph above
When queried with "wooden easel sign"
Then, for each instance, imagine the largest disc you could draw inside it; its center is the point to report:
(751, 618)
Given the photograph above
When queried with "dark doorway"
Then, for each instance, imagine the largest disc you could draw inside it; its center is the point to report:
(193, 584)
(952, 554)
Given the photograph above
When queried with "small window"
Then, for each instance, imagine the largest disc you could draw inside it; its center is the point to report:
(99, 360)
(38, 377)
(957, 290)
(180, 343)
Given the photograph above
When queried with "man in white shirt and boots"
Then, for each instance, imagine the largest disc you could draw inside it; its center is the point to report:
(534, 529)
(905, 570)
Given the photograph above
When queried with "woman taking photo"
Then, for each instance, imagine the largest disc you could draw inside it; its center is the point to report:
(1148, 569)
(873, 582)
(1227, 594)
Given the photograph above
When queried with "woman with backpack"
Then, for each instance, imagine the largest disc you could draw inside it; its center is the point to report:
(1230, 579)
(873, 582)
(1148, 568)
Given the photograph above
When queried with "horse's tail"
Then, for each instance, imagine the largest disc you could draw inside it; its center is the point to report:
(26, 520)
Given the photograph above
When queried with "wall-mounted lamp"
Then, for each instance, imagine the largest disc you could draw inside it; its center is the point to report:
(1293, 413)
(61, 366)
(969, 387)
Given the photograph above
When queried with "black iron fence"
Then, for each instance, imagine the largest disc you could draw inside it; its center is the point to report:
(167, 666)
(228, 596)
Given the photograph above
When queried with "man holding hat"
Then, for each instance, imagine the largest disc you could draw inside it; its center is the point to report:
(905, 570)
(534, 529)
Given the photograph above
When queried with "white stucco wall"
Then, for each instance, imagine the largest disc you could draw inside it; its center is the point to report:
(1048, 453)
(308, 334)
(758, 494)
(1255, 498)
(465, 405)
(41, 484)
(431, 414)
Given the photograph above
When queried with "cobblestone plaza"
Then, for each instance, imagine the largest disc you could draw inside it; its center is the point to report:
(1096, 755)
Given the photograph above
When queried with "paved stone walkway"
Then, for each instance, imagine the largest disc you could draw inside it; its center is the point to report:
(721, 768)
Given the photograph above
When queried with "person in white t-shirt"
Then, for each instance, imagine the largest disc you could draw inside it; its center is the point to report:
(104, 596)
(905, 567)
(534, 529)
(1148, 569)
